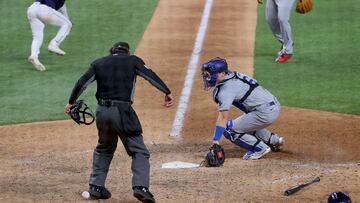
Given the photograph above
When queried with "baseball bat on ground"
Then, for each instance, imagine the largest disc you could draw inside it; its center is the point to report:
(296, 188)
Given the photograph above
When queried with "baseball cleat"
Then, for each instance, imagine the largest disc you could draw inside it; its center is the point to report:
(143, 194)
(37, 64)
(278, 146)
(251, 155)
(55, 49)
(99, 192)
(283, 58)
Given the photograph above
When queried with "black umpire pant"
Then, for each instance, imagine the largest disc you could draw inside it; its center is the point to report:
(119, 120)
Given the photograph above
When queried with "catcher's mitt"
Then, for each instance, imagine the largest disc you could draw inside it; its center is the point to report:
(215, 157)
(304, 6)
(79, 114)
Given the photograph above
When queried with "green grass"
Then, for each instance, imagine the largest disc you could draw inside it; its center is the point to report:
(325, 70)
(28, 95)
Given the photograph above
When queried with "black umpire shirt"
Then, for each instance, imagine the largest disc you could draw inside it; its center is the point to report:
(116, 76)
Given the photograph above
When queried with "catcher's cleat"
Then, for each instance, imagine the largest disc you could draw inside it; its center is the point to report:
(143, 194)
(54, 48)
(37, 64)
(99, 192)
(251, 155)
(278, 146)
(283, 58)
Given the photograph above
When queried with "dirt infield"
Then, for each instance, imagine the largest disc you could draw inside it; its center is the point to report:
(50, 161)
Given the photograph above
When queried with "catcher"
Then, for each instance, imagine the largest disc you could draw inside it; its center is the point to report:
(248, 131)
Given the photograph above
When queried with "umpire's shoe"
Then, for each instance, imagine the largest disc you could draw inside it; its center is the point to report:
(99, 192)
(143, 194)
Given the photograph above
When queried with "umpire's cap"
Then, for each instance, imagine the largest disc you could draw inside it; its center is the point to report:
(120, 47)
(339, 197)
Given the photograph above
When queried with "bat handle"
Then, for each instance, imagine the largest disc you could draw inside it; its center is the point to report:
(317, 179)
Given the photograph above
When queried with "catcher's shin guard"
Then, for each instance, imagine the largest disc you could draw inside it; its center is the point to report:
(243, 140)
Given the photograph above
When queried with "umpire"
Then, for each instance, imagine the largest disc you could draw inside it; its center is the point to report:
(115, 76)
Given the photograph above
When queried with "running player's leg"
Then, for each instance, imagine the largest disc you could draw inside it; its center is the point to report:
(55, 18)
(37, 30)
(272, 19)
(284, 12)
(58, 19)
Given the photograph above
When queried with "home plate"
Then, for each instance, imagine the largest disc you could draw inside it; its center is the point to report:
(179, 164)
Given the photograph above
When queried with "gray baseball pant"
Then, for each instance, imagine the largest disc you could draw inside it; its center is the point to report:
(277, 15)
(109, 124)
(256, 121)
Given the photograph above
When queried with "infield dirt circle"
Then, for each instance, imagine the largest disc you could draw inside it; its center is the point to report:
(51, 161)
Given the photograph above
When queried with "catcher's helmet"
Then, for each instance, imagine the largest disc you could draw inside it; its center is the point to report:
(80, 113)
(339, 197)
(120, 47)
(210, 70)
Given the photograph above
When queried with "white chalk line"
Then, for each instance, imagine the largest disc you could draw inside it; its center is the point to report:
(189, 79)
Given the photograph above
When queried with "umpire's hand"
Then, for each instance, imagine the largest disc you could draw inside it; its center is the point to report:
(169, 100)
(68, 108)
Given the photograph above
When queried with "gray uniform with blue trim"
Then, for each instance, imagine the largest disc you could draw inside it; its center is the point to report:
(260, 106)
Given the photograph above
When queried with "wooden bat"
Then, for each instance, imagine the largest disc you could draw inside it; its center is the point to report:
(296, 188)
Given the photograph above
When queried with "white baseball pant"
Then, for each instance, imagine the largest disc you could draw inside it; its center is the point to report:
(39, 15)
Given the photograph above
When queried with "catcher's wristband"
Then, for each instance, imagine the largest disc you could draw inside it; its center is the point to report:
(219, 130)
